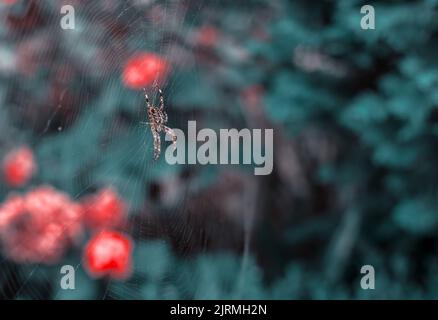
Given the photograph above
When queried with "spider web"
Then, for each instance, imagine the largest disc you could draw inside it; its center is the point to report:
(171, 225)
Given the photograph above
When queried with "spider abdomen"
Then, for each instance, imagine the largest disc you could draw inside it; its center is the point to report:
(156, 117)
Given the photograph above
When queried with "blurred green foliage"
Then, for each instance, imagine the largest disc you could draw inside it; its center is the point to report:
(369, 96)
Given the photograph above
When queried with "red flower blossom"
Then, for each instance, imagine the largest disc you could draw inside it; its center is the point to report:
(38, 227)
(104, 210)
(19, 166)
(207, 36)
(108, 253)
(144, 69)
(8, 2)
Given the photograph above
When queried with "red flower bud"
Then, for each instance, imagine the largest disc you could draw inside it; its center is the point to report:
(19, 166)
(144, 69)
(108, 253)
(207, 36)
(8, 2)
(104, 210)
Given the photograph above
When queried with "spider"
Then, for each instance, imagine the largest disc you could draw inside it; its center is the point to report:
(157, 119)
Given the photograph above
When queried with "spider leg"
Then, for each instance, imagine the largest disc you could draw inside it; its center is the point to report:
(157, 143)
(148, 104)
(171, 133)
(161, 99)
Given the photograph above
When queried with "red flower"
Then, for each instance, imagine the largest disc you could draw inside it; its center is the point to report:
(38, 227)
(207, 36)
(108, 253)
(8, 2)
(144, 69)
(104, 210)
(19, 166)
